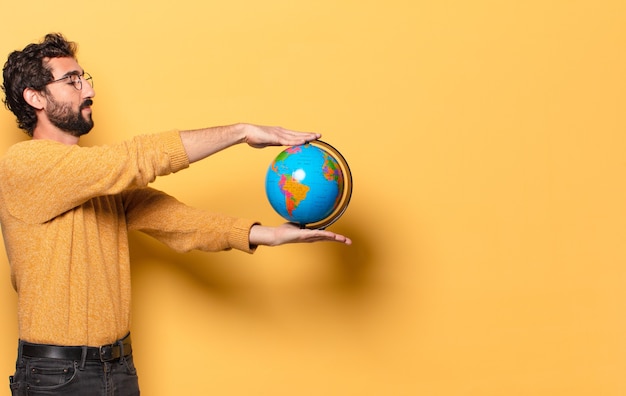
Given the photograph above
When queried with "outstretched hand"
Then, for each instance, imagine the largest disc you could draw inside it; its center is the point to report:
(258, 136)
(201, 143)
(291, 233)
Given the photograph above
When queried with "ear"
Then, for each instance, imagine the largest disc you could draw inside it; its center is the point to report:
(34, 98)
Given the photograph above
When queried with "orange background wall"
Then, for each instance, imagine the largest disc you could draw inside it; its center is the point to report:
(487, 141)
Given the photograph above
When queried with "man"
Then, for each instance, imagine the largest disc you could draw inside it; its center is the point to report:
(66, 211)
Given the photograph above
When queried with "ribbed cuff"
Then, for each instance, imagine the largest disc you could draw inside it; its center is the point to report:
(176, 150)
(239, 237)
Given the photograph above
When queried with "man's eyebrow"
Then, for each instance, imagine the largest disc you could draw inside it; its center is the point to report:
(71, 73)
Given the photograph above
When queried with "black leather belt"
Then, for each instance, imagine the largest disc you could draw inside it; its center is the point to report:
(104, 353)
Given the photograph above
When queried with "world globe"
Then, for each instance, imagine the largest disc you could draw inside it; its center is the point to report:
(310, 184)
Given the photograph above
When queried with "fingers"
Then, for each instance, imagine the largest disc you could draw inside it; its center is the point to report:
(290, 233)
(293, 138)
(262, 136)
(322, 235)
(341, 238)
(286, 137)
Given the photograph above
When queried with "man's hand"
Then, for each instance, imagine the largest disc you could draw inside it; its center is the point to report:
(202, 143)
(262, 136)
(291, 233)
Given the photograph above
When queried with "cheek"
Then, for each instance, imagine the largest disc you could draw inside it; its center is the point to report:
(66, 96)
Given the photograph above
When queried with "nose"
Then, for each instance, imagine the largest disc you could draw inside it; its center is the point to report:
(87, 89)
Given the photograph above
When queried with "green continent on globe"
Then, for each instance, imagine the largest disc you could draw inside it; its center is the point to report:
(283, 156)
(295, 192)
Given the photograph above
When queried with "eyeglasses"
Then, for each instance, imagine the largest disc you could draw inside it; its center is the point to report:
(76, 80)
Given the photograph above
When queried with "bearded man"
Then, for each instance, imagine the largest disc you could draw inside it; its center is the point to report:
(66, 211)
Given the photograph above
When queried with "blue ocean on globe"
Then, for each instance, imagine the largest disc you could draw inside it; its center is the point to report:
(304, 184)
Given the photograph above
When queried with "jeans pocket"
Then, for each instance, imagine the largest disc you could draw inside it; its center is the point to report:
(15, 387)
(49, 373)
(130, 365)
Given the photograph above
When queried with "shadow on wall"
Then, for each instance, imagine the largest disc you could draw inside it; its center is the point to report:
(207, 270)
(350, 272)
(339, 274)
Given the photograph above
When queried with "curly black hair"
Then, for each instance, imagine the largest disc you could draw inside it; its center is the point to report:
(29, 69)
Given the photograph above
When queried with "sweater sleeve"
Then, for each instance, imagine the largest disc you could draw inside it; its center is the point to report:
(41, 179)
(184, 228)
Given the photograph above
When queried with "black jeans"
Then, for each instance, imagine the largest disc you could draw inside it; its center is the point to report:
(46, 376)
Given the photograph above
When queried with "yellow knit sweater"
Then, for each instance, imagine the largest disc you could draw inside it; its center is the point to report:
(65, 213)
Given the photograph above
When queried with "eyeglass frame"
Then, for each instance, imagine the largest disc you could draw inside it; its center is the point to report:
(78, 82)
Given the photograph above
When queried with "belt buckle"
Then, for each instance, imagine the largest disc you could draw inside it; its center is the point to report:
(106, 353)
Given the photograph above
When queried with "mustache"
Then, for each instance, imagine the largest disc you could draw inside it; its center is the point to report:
(86, 103)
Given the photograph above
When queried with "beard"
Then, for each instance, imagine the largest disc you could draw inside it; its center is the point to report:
(65, 118)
